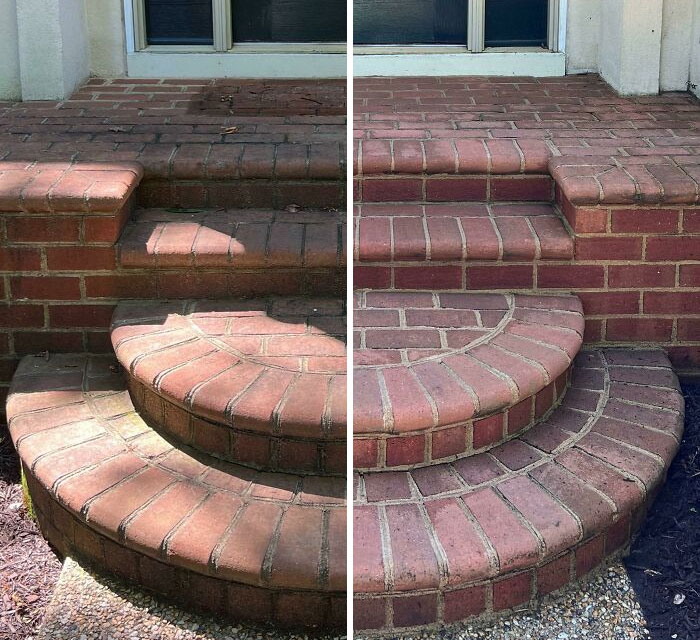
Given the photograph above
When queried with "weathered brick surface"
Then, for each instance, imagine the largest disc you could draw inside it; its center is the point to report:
(500, 529)
(442, 375)
(107, 486)
(258, 381)
(201, 142)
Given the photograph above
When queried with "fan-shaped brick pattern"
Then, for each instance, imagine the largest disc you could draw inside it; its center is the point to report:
(254, 545)
(494, 531)
(442, 375)
(262, 382)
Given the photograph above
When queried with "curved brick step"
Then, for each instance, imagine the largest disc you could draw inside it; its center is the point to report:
(456, 232)
(498, 530)
(218, 536)
(219, 253)
(443, 375)
(261, 381)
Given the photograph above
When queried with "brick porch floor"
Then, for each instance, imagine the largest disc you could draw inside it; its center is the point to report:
(644, 148)
(189, 130)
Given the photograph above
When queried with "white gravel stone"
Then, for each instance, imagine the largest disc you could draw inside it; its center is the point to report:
(90, 606)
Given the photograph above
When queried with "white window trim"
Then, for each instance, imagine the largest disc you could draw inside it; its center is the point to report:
(476, 35)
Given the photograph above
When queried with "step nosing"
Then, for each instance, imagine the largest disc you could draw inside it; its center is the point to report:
(589, 489)
(152, 497)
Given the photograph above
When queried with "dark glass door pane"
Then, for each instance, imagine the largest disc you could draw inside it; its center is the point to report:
(179, 22)
(410, 21)
(289, 21)
(516, 23)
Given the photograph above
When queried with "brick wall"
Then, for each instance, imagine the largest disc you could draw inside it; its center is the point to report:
(637, 271)
(58, 229)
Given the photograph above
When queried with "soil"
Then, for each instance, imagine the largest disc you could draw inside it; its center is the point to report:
(664, 563)
(28, 567)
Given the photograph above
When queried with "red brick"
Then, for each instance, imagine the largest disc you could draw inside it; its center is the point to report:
(392, 190)
(671, 302)
(521, 189)
(405, 450)
(455, 189)
(554, 575)
(673, 249)
(45, 288)
(570, 276)
(81, 258)
(500, 277)
(641, 275)
(464, 603)
(589, 555)
(609, 248)
(689, 275)
(410, 611)
(513, 591)
(609, 303)
(15, 259)
(644, 220)
(39, 230)
(69, 316)
(36, 341)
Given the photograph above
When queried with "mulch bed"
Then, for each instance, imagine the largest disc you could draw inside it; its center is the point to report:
(664, 564)
(28, 568)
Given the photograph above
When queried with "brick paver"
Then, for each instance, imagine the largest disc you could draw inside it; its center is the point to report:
(260, 381)
(108, 487)
(445, 374)
(599, 146)
(496, 530)
(458, 232)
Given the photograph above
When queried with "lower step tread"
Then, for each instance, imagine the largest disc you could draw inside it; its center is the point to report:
(495, 530)
(93, 459)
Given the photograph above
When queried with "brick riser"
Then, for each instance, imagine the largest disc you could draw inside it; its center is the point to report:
(593, 468)
(280, 607)
(457, 441)
(255, 450)
(241, 193)
(252, 545)
(451, 188)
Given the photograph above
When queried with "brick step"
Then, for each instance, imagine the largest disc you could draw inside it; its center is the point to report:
(499, 530)
(439, 376)
(248, 545)
(458, 232)
(216, 253)
(261, 382)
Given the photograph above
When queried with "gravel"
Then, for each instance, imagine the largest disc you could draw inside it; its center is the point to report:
(601, 607)
(91, 606)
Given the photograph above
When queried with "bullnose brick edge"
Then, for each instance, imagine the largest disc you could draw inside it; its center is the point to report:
(253, 545)
(499, 530)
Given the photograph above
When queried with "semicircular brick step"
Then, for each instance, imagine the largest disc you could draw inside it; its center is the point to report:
(443, 375)
(497, 530)
(260, 381)
(252, 545)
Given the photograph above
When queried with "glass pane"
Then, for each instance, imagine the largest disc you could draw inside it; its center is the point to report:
(410, 21)
(179, 22)
(289, 21)
(516, 23)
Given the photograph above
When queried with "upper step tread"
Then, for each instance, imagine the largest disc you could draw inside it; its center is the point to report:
(274, 365)
(76, 430)
(426, 360)
(239, 239)
(460, 231)
(579, 476)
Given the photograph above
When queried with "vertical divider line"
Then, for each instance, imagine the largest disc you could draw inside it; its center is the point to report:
(349, 291)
